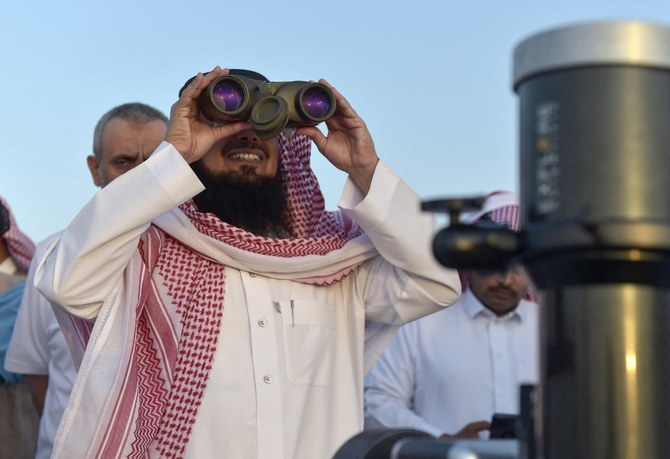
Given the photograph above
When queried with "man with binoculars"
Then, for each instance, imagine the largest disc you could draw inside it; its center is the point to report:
(224, 312)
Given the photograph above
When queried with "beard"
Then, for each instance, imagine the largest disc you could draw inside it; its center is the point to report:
(244, 199)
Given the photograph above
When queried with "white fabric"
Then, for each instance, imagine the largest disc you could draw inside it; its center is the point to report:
(454, 367)
(286, 381)
(494, 201)
(38, 347)
(8, 266)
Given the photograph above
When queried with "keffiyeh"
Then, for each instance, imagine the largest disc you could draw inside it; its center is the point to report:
(20, 247)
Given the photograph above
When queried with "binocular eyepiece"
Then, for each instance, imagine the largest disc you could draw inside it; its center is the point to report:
(269, 106)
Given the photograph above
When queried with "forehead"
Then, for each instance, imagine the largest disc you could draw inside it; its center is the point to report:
(120, 134)
(117, 127)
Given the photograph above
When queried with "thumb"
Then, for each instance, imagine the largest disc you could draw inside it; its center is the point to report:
(315, 134)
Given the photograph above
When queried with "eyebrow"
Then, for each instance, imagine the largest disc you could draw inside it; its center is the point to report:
(125, 156)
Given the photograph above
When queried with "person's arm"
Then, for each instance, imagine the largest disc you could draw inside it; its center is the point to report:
(408, 278)
(28, 350)
(85, 265)
(470, 430)
(38, 385)
(390, 386)
(348, 145)
(406, 282)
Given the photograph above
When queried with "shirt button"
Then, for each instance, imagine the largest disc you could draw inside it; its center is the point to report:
(252, 274)
(267, 379)
(262, 322)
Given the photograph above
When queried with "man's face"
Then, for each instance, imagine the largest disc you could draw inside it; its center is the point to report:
(245, 154)
(242, 184)
(501, 291)
(124, 145)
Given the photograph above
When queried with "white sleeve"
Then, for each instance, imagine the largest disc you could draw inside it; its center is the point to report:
(405, 282)
(85, 266)
(390, 385)
(28, 351)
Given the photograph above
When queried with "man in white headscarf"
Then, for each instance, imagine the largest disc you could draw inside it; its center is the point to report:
(448, 373)
(217, 310)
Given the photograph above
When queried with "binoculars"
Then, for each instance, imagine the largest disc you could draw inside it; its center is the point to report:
(269, 106)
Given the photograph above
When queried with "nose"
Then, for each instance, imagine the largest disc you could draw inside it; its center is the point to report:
(248, 135)
(505, 277)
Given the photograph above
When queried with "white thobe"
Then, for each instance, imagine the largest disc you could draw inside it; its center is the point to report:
(287, 376)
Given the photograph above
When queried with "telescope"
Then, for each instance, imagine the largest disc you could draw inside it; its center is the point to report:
(594, 113)
(270, 107)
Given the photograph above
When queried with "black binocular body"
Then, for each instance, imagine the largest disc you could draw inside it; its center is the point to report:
(270, 107)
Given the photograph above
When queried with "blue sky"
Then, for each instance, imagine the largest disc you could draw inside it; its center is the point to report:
(431, 78)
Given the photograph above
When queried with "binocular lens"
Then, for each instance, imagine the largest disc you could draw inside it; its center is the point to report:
(316, 102)
(228, 95)
(269, 106)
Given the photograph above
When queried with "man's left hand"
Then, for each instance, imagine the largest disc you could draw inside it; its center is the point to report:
(349, 145)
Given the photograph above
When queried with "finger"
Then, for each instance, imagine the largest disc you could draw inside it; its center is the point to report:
(226, 130)
(215, 73)
(315, 134)
(190, 90)
(341, 101)
(201, 81)
(480, 425)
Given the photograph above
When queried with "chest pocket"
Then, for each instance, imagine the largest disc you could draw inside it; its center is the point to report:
(309, 341)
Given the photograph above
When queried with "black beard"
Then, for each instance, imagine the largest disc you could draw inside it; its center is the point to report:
(246, 200)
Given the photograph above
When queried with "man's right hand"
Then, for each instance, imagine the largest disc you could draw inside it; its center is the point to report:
(188, 131)
(469, 431)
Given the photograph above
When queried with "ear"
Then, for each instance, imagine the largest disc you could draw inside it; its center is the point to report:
(92, 163)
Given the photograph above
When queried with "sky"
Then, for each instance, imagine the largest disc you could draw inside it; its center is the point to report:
(431, 78)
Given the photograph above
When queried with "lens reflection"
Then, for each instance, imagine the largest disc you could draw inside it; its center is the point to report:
(316, 102)
(228, 95)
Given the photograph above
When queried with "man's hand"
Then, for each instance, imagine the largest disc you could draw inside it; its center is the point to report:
(349, 145)
(469, 431)
(188, 131)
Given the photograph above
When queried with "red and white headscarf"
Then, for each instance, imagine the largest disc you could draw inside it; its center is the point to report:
(20, 247)
(501, 207)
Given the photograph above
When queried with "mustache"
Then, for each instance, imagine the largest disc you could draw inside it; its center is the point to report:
(502, 289)
(242, 144)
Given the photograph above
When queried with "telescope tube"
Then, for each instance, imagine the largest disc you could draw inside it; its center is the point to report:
(594, 104)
